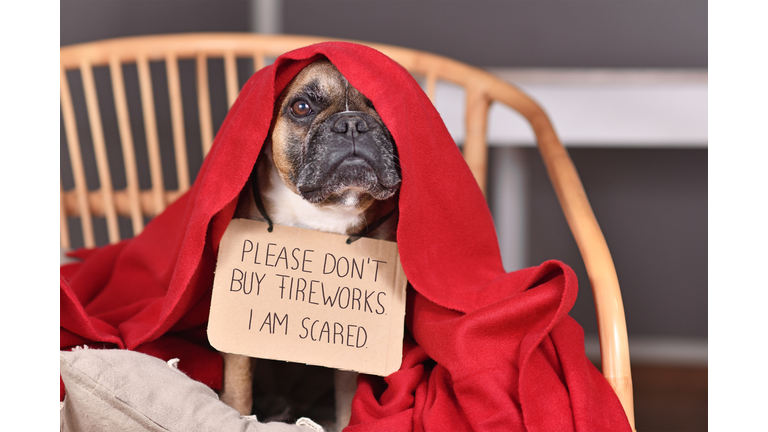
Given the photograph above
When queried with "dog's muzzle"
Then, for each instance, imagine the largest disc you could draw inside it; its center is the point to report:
(350, 150)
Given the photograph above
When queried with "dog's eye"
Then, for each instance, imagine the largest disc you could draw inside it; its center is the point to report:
(301, 108)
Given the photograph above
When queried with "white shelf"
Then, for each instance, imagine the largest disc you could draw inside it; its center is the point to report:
(596, 108)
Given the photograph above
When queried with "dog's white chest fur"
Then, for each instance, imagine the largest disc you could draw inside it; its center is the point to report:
(291, 209)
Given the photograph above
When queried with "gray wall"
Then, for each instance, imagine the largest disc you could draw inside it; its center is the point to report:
(519, 33)
(652, 203)
(539, 33)
(87, 20)
(652, 208)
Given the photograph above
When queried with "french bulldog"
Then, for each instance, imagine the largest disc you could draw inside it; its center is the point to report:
(329, 164)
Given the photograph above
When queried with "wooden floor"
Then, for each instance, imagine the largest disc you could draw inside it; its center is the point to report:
(670, 398)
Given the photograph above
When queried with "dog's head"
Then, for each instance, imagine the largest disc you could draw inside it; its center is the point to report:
(329, 144)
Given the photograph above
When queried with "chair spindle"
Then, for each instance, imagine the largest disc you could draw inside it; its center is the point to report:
(150, 128)
(204, 103)
(230, 76)
(126, 141)
(177, 121)
(78, 172)
(476, 121)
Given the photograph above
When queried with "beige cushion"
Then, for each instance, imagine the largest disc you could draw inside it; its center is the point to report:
(120, 390)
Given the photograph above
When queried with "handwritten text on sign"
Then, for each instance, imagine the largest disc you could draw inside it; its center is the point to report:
(306, 296)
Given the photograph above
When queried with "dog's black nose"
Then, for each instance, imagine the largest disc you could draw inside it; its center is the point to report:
(352, 122)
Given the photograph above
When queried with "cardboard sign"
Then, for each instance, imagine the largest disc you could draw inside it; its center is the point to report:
(307, 296)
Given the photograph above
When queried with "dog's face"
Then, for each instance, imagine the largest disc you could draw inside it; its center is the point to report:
(329, 144)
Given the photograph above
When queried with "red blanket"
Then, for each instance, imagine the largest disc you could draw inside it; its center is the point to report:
(484, 350)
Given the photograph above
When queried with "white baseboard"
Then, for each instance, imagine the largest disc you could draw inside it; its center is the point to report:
(596, 108)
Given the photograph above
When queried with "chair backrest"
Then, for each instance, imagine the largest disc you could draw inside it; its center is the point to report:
(95, 201)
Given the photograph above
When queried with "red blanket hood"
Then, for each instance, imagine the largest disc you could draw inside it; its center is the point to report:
(485, 349)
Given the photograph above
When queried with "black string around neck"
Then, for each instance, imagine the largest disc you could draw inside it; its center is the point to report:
(259, 203)
(370, 228)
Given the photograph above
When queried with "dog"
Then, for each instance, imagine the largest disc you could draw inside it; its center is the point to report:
(329, 164)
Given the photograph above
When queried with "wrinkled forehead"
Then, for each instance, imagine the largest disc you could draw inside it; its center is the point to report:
(319, 80)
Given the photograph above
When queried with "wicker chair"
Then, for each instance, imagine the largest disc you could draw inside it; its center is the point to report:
(132, 205)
